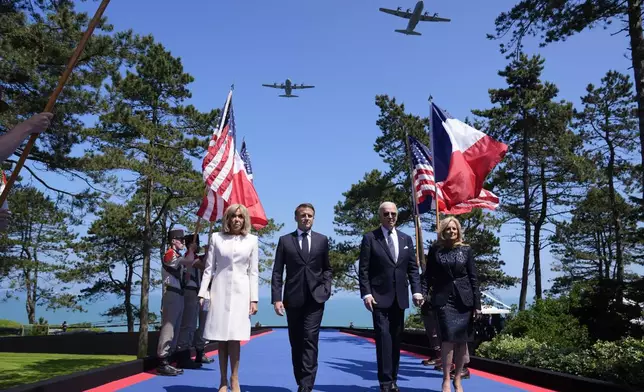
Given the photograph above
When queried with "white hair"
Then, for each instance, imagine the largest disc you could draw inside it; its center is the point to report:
(386, 204)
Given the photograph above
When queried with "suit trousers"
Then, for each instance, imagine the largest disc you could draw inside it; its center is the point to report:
(303, 334)
(432, 330)
(170, 323)
(388, 325)
(198, 341)
(188, 320)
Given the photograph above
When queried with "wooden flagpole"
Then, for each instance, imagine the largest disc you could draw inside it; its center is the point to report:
(52, 99)
(420, 252)
(431, 144)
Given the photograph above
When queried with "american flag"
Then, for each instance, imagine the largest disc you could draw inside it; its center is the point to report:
(218, 166)
(245, 156)
(422, 174)
(425, 185)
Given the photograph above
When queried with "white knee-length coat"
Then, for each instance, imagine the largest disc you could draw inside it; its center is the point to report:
(233, 266)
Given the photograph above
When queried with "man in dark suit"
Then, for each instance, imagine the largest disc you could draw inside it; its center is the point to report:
(387, 267)
(305, 254)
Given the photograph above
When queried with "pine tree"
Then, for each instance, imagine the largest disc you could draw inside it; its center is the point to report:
(540, 167)
(36, 250)
(148, 133)
(557, 20)
(108, 260)
(609, 128)
(37, 40)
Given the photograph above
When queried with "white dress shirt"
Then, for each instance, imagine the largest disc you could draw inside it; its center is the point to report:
(299, 238)
(394, 238)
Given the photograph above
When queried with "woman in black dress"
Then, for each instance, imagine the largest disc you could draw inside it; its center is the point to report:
(454, 291)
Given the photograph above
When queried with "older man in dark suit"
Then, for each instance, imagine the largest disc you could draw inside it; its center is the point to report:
(305, 254)
(387, 267)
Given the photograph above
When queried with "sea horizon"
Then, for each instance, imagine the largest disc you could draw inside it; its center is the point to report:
(341, 310)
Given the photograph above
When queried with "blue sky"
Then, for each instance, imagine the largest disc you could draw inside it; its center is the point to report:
(349, 51)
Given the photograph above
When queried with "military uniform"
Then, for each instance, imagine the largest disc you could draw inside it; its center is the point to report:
(190, 314)
(198, 340)
(173, 303)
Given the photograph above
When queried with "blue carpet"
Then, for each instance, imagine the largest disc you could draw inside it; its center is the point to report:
(346, 364)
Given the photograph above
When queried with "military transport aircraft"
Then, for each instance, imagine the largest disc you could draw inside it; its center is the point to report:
(414, 17)
(287, 86)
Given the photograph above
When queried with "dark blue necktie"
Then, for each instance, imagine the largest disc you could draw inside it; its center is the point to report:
(305, 245)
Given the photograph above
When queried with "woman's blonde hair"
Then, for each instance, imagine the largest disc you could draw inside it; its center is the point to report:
(443, 225)
(230, 212)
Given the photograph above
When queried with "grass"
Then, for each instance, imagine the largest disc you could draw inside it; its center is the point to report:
(24, 368)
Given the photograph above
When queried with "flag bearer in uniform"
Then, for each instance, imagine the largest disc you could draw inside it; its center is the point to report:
(172, 274)
(198, 340)
(190, 311)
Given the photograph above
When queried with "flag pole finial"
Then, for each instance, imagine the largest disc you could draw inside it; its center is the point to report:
(232, 87)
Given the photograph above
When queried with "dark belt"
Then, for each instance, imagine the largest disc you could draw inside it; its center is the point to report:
(174, 290)
(191, 288)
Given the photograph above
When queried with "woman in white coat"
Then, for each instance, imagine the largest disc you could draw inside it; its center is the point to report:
(233, 266)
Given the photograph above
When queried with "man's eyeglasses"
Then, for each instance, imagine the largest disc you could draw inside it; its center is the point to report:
(392, 214)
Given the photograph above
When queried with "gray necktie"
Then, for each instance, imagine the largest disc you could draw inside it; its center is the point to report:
(390, 244)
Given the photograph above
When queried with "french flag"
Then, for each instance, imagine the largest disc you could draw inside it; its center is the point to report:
(463, 157)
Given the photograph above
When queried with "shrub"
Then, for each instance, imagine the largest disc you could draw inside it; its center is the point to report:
(620, 362)
(549, 321)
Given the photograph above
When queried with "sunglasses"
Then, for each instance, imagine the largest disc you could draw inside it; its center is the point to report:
(392, 214)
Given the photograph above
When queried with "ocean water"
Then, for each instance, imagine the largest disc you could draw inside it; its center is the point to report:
(339, 311)
(343, 308)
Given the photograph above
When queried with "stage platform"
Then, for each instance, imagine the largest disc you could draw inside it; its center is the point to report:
(346, 363)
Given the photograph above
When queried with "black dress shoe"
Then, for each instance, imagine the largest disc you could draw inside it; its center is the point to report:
(304, 389)
(465, 373)
(184, 361)
(394, 387)
(202, 358)
(164, 369)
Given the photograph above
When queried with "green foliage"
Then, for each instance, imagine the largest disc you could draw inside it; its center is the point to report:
(479, 233)
(549, 321)
(37, 39)
(540, 170)
(4, 323)
(267, 247)
(10, 324)
(585, 246)
(553, 21)
(36, 250)
(110, 246)
(620, 362)
(608, 126)
(557, 20)
(146, 131)
(596, 307)
(343, 257)
(414, 320)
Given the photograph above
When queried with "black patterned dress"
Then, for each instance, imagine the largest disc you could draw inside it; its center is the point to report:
(454, 318)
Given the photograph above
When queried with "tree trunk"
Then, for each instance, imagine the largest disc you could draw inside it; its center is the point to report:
(637, 58)
(526, 222)
(129, 313)
(30, 305)
(600, 257)
(145, 276)
(616, 219)
(538, 290)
